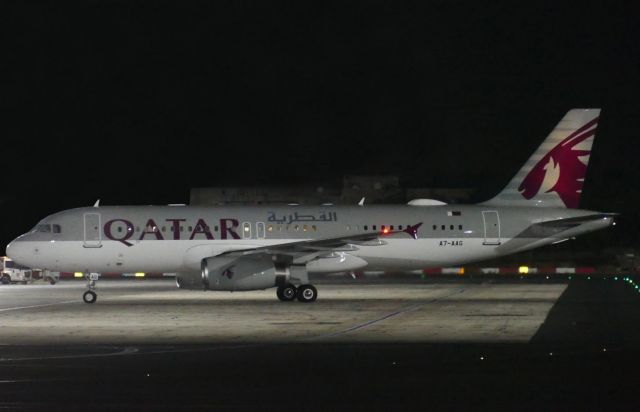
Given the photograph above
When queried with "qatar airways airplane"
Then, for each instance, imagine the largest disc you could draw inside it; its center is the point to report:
(236, 248)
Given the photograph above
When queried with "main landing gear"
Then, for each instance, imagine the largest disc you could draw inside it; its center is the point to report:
(90, 296)
(304, 293)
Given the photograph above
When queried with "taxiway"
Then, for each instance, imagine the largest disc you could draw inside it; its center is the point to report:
(524, 344)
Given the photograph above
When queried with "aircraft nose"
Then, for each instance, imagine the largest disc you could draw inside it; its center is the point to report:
(16, 250)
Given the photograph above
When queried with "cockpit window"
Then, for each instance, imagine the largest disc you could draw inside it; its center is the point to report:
(43, 228)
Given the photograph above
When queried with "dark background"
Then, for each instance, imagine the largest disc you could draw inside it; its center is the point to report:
(135, 102)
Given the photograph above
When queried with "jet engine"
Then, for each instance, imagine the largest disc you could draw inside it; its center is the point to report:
(233, 273)
(189, 281)
(261, 271)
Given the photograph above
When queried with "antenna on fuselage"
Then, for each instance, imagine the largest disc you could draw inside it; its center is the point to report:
(361, 202)
(97, 203)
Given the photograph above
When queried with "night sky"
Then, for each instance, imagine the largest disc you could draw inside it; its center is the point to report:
(135, 102)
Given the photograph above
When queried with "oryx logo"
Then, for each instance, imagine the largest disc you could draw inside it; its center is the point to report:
(228, 272)
(413, 230)
(563, 169)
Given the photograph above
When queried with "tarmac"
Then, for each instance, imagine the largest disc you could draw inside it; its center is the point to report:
(382, 344)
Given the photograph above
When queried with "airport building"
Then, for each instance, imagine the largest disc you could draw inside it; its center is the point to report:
(375, 189)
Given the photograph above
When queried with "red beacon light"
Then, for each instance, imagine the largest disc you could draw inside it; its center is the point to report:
(385, 230)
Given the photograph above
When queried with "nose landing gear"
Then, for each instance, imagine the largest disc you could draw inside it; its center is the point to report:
(90, 296)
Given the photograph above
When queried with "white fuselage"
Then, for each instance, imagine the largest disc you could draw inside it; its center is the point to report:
(177, 239)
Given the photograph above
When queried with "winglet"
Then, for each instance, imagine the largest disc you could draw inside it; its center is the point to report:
(97, 203)
(361, 202)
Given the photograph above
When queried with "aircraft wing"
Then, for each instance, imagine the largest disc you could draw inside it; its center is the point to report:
(299, 252)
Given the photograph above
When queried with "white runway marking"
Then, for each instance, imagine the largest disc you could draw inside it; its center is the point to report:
(39, 306)
(125, 351)
(136, 351)
(408, 309)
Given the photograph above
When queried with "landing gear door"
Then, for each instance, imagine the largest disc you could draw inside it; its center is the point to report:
(92, 236)
(491, 228)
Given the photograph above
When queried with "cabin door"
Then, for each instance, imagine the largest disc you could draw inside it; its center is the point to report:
(92, 236)
(491, 228)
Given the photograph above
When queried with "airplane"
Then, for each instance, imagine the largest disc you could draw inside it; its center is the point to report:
(238, 248)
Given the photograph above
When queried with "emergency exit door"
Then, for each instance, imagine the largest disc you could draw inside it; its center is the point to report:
(92, 236)
(491, 228)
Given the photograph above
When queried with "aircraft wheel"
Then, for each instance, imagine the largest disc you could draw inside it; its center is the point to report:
(89, 296)
(6, 279)
(307, 293)
(287, 293)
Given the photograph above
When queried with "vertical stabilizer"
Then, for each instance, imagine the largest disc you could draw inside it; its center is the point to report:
(554, 175)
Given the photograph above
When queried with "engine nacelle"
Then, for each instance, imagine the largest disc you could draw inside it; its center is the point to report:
(251, 272)
(189, 281)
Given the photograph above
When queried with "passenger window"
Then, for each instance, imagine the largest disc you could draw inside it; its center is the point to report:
(451, 227)
(164, 228)
(366, 227)
(305, 228)
(246, 230)
(269, 228)
(314, 228)
(435, 227)
(391, 227)
(400, 227)
(373, 227)
(56, 228)
(459, 227)
(215, 228)
(443, 227)
(296, 228)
